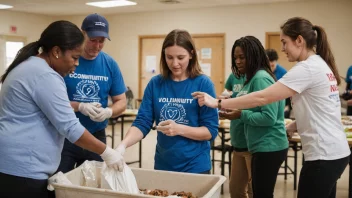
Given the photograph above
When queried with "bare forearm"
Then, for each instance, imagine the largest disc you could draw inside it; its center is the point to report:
(195, 133)
(255, 99)
(133, 136)
(74, 105)
(118, 107)
(266, 96)
(90, 143)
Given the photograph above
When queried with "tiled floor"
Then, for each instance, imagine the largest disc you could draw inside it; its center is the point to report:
(283, 189)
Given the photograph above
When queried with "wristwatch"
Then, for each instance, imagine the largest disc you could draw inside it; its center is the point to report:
(219, 104)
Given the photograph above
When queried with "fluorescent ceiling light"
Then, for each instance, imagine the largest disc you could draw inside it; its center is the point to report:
(109, 4)
(2, 6)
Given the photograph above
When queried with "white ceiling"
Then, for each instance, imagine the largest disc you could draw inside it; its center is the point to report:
(78, 7)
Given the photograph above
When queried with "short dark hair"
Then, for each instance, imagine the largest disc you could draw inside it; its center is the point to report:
(183, 39)
(272, 55)
(63, 34)
(256, 58)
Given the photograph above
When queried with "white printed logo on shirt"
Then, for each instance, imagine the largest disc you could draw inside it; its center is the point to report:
(87, 91)
(174, 110)
(334, 89)
(237, 87)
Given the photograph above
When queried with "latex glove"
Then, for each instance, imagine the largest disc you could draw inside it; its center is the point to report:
(89, 109)
(102, 115)
(113, 159)
(169, 128)
(121, 149)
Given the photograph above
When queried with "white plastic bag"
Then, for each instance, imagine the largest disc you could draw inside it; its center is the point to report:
(89, 171)
(58, 178)
(119, 181)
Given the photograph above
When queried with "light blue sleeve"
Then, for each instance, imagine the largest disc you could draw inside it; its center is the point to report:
(51, 97)
(118, 85)
(209, 117)
(145, 118)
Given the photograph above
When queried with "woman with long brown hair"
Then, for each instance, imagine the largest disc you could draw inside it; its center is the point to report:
(312, 84)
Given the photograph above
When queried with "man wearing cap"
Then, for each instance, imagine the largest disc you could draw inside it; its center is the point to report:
(96, 77)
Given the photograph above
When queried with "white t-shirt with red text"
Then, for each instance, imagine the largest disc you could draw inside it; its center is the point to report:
(317, 109)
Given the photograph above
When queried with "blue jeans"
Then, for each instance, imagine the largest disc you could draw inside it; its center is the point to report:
(73, 156)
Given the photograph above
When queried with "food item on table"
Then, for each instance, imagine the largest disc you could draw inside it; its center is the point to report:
(348, 129)
(184, 194)
(288, 121)
(165, 193)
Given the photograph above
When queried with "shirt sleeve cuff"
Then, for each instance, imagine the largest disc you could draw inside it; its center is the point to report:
(76, 133)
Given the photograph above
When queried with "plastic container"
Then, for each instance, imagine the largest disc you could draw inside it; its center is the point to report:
(207, 186)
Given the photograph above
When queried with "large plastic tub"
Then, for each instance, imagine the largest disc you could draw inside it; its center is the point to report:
(207, 186)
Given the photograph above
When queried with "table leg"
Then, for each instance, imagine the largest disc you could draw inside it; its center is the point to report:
(350, 178)
(122, 124)
(222, 156)
(112, 133)
(295, 166)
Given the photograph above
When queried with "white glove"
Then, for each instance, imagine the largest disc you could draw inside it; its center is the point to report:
(102, 114)
(121, 149)
(89, 109)
(113, 159)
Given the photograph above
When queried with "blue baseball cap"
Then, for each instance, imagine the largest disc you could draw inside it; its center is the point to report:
(96, 26)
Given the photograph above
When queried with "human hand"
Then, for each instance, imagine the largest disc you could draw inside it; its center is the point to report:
(89, 109)
(231, 114)
(205, 99)
(113, 159)
(102, 114)
(291, 127)
(169, 128)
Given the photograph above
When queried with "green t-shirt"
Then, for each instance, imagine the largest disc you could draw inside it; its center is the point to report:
(238, 139)
(264, 126)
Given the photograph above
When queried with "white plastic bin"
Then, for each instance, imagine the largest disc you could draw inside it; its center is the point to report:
(207, 186)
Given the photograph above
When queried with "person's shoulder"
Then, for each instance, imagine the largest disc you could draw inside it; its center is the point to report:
(107, 57)
(262, 74)
(202, 78)
(156, 78)
(281, 68)
(39, 67)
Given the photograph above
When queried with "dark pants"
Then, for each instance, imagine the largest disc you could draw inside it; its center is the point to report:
(265, 167)
(73, 156)
(349, 110)
(318, 178)
(19, 187)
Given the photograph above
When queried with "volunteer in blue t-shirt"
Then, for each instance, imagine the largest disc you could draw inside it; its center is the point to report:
(279, 72)
(348, 80)
(95, 79)
(184, 128)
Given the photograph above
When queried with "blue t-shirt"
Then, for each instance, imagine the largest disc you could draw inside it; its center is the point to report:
(279, 71)
(166, 99)
(349, 76)
(35, 118)
(93, 81)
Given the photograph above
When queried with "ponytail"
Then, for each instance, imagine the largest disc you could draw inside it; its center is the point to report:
(23, 54)
(324, 51)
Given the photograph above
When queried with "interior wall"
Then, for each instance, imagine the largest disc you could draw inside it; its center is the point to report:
(29, 26)
(234, 21)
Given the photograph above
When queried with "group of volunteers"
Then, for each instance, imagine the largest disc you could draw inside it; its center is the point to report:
(54, 110)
